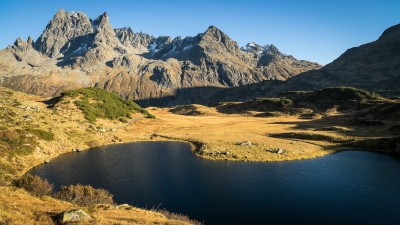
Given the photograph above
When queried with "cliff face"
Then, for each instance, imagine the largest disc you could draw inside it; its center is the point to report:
(75, 51)
(374, 66)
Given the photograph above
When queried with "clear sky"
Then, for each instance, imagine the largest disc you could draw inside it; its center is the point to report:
(313, 30)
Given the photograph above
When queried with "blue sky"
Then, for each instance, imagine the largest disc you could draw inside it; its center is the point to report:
(313, 30)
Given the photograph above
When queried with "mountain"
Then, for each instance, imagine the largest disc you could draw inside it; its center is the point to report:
(75, 51)
(374, 66)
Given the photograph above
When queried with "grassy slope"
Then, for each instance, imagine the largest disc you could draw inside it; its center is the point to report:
(30, 133)
(20, 207)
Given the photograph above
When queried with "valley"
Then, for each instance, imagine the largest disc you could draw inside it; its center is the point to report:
(84, 84)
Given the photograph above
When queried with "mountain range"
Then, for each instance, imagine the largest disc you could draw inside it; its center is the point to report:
(75, 51)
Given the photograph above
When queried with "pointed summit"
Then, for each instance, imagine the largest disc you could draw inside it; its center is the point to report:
(215, 37)
(271, 49)
(102, 22)
(19, 41)
(29, 41)
(20, 45)
(62, 27)
(213, 30)
(61, 12)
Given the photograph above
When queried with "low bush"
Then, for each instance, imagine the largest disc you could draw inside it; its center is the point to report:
(97, 103)
(42, 134)
(34, 185)
(177, 216)
(84, 195)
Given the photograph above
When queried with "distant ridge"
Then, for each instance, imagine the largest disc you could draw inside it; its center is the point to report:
(374, 66)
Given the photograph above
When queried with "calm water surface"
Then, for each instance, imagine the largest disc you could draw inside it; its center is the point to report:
(352, 187)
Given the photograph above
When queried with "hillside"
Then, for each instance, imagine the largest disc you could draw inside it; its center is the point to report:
(374, 66)
(34, 130)
(75, 51)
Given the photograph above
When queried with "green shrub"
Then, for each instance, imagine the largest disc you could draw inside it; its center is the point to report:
(84, 195)
(42, 134)
(342, 94)
(97, 103)
(35, 185)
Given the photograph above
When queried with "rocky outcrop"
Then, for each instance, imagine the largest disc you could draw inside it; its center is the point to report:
(129, 38)
(74, 216)
(74, 51)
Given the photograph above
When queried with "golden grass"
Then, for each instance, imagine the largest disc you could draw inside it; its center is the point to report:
(20, 207)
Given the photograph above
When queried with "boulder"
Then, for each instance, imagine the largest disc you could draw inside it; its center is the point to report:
(279, 151)
(73, 216)
(123, 206)
(245, 143)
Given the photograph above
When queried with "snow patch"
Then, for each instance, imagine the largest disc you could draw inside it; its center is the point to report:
(81, 48)
(187, 47)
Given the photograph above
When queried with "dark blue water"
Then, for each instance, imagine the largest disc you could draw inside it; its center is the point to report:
(352, 187)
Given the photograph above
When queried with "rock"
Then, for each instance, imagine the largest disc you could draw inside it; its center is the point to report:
(47, 160)
(102, 130)
(28, 117)
(93, 127)
(73, 216)
(113, 129)
(124, 206)
(227, 153)
(279, 151)
(245, 143)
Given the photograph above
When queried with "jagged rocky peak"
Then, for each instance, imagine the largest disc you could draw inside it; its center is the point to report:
(130, 38)
(254, 48)
(102, 22)
(257, 49)
(213, 35)
(29, 41)
(62, 27)
(105, 38)
(21, 45)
